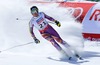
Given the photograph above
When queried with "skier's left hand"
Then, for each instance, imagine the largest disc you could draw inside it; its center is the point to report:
(36, 40)
(57, 23)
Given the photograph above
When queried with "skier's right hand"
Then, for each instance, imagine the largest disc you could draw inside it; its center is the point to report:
(57, 23)
(36, 40)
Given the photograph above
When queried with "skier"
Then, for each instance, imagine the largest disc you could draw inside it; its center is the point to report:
(47, 31)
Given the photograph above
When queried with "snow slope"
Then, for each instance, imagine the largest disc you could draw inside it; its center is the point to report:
(15, 32)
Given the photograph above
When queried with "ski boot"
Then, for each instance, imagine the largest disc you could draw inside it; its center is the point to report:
(78, 57)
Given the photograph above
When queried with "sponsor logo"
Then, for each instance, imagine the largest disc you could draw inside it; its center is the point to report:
(92, 39)
(40, 20)
(75, 12)
(96, 15)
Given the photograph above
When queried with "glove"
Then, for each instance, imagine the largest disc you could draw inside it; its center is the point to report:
(36, 40)
(58, 23)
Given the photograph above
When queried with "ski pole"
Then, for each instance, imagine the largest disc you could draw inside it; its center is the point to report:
(16, 46)
(28, 19)
(21, 19)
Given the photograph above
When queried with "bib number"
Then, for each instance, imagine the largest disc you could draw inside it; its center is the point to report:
(42, 25)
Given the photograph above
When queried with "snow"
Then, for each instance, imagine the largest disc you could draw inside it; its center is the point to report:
(16, 32)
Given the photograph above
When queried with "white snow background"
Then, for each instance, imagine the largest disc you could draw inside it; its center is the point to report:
(16, 32)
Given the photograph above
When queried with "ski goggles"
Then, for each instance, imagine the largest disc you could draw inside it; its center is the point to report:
(33, 11)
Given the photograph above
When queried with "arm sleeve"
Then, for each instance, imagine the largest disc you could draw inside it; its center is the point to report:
(31, 29)
(48, 17)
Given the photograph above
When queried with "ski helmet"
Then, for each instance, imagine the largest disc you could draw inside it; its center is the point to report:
(34, 9)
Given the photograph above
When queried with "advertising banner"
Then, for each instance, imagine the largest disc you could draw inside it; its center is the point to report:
(91, 23)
